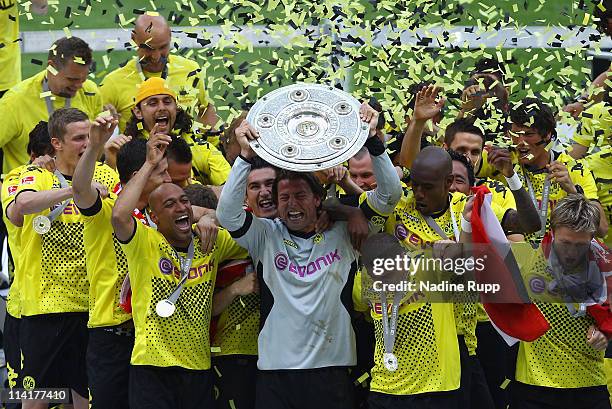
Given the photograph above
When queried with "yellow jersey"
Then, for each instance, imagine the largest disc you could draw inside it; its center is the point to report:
(106, 265)
(596, 129)
(579, 174)
(561, 358)
(17, 122)
(182, 339)
(10, 52)
(54, 263)
(209, 166)
(238, 328)
(184, 78)
(9, 192)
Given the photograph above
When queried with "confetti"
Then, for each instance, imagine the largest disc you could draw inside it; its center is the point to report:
(505, 384)
(51, 70)
(362, 378)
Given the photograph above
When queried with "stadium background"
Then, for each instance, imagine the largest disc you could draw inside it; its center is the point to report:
(236, 73)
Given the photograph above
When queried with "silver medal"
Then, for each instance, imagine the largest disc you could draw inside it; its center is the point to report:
(390, 361)
(165, 308)
(41, 224)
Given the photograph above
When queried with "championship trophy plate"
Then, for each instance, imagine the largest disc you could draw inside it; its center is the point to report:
(307, 127)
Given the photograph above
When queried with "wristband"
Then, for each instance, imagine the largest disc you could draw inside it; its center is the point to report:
(465, 225)
(375, 146)
(514, 182)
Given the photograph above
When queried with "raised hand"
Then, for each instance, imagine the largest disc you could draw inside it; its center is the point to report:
(101, 130)
(245, 133)
(428, 103)
(156, 146)
(369, 115)
(501, 159)
(559, 174)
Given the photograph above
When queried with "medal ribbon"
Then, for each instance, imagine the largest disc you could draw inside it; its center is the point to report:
(58, 210)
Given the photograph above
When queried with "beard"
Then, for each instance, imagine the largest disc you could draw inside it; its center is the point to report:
(147, 62)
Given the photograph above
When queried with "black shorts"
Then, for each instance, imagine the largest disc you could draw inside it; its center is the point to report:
(304, 389)
(430, 400)
(235, 377)
(54, 347)
(538, 397)
(494, 355)
(153, 387)
(108, 366)
(473, 389)
(12, 351)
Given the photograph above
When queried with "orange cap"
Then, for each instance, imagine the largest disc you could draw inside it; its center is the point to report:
(153, 86)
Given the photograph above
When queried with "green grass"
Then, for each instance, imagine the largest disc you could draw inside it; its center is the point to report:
(110, 14)
(237, 77)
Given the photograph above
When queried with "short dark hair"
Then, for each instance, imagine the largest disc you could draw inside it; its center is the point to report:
(456, 156)
(363, 151)
(179, 151)
(283, 174)
(39, 143)
(200, 195)
(130, 158)
(66, 49)
(602, 16)
(533, 113)
(491, 66)
(63, 117)
(259, 163)
(461, 125)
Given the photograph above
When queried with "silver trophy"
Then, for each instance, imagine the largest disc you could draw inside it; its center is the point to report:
(307, 127)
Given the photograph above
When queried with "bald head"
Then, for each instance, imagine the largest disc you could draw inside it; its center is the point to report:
(433, 160)
(172, 213)
(164, 191)
(152, 35)
(432, 176)
(151, 26)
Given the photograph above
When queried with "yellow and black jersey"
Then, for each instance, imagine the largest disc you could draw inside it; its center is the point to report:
(410, 227)
(106, 265)
(23, 107)
(561, 358)
(209, 165)
(238, 327)
(182, 339)
(54, 263)
(9, 192)
(184, 77)
(578, 172)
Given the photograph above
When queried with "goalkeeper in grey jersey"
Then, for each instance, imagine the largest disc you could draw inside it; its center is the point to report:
(306, 340)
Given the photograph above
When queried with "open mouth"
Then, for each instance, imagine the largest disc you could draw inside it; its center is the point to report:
(295, 216)
(162, 121)
(524, 152)
(183, 223)
(266, 204)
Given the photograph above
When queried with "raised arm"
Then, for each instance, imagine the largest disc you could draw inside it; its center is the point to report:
(388, 186)
(230, 212)
(426, 106)
(526, 218)
(122, 220)
(85, 195)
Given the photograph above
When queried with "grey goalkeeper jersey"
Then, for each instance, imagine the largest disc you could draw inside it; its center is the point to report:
(305, 280)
